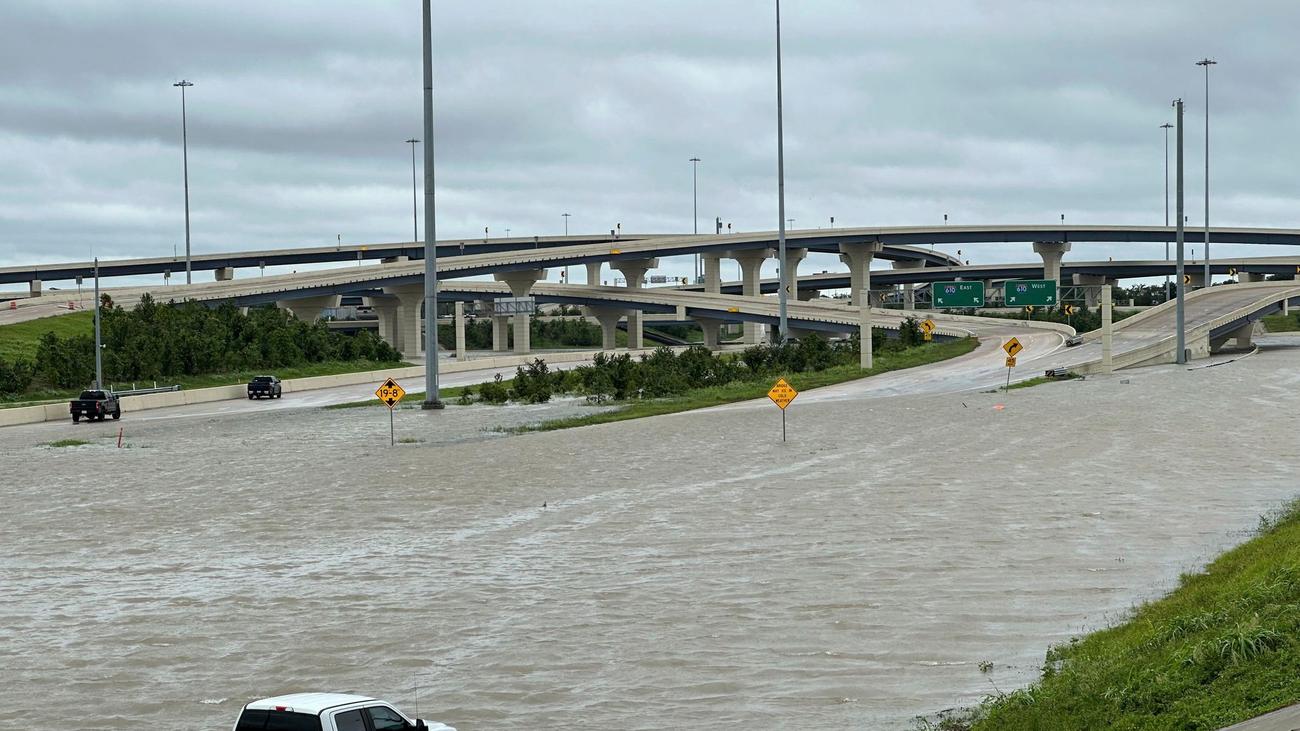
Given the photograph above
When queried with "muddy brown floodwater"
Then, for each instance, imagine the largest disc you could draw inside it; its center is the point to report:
(687, 571)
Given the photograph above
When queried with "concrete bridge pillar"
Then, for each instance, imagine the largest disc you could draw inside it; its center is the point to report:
(791, 265)
(909, 288)
(224, 274)
(712, 272)
(1198, 278)
(711, 328)
(1052, 253)
(308, 309)
(858, 257)
(633, 272)
(1093, 282)
(410, 300)
(458, 314)
(34, 288)
(593, 273)
(608, 318)
(807, 295)
(521, 282)
(386, 309)
(751, 267)
(1248, 277)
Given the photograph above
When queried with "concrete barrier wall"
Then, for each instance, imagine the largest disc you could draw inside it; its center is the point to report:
(59, 411)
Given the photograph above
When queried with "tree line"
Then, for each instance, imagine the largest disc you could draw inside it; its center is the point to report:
(156, 341)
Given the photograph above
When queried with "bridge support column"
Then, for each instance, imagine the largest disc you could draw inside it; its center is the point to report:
(593, 273)
(608, 318)
(224, 274)
(1107, 331)
(386, 310)
(1198, 278)
(1093, 297)
(1248, 277)
(791, 264)
(807, 295)
(34, 288)
(500, 333)
(712, 272)
(1286, 307)
(858, 257)
(410, 300)
(458, 314)
(521, 283)
(865, 355)
(711, 328)
(633, 272)
(751, 267)
(308, 309)
(1052, 253)
(909, 288)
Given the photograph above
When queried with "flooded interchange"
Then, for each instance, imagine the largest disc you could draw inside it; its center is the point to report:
(999, 437)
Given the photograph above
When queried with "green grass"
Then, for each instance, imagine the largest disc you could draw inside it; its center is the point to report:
(328, 368)
(745, 390)
(20, 339)
(1281, 323)
(1040, 380)
(413, 399)
(68, 443)
(1221, 648)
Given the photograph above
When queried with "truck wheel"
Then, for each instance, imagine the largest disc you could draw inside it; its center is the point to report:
(250, 397)
(117, 414)
(76, 418)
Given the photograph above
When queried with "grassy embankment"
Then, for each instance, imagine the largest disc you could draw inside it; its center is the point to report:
(20, 340)
(1282, 323)
(1221, 648)
(1040, 380)
(700, 398)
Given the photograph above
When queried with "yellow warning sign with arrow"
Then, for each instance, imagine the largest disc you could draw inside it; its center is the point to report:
(390, 393)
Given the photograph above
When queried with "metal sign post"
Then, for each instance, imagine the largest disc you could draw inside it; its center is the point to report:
(782, 394)
(390, 393)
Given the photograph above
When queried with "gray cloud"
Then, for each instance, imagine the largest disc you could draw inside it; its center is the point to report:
(896, 113)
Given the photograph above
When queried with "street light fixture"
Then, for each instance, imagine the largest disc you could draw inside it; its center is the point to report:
(695, 208)
(1166, 127)
(783, 327)
(415, 214)
(185, 157)
(1179, 316)
(1207, 63)
(431, 399)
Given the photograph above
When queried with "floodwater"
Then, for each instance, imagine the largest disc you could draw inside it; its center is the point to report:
(689, 571)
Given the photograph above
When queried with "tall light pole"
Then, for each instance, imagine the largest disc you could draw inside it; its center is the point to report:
(568, 271)
(185, 158)
(415, 210)
(1179, 317)
(782, 294)
(99, 363)
(1166, 127)
(1207, 63)
(695, 209)
(431, 398)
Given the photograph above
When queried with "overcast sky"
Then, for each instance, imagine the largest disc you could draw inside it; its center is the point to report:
(998, 111)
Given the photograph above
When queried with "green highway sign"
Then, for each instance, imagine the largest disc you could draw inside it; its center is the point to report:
(958, 294)
(1030, 292)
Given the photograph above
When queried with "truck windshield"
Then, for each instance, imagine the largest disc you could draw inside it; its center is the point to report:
(92, 395)
(263, 379)
(254, 720)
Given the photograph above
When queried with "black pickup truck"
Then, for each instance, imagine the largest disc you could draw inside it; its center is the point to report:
(268, 386)
(95, 405)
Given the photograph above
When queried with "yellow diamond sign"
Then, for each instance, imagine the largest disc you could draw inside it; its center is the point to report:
(1012, 347)
(928, 326)
(390, 393)
(782, 394)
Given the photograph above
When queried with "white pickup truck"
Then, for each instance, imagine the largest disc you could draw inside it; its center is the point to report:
(328, 712)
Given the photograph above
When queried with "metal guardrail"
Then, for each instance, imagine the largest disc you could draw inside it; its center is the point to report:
(133, 391)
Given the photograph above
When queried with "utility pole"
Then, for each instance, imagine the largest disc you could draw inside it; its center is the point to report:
(1166, 127)
(99, 346)
(415, 210)
(185, 157)
(568, 271)
(1181, 355)
(695, 210)
(431, 397)
(1207, 63)
(783, 326)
